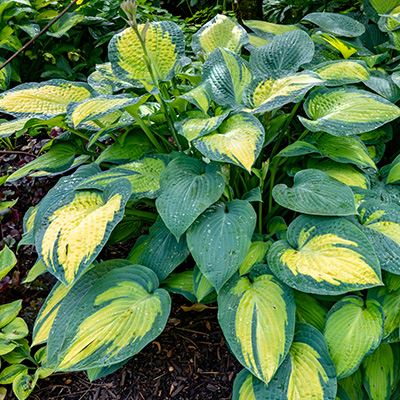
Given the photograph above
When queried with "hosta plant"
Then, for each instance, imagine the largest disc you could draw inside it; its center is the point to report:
(266, 180)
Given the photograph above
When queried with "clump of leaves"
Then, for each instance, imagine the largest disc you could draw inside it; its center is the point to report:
(271, 181)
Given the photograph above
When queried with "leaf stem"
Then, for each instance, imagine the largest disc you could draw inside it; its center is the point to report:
(87, 137)
(147, 131)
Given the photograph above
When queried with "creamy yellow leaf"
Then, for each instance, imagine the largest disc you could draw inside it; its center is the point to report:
(76, 229)
(48, 313)
(128, 317)
(160, 49)
(307, 373)
(264, 301)
(323, 259)
(47, 99)
(222, 33)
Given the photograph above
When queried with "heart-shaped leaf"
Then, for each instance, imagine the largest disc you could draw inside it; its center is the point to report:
(221, 31)
(113, 318)
(314, 192)
(64, 241)
(257, 319)
(165, 46)
(188, 187)
(220, 239)
(160, 251)
(364, 326)
(307, 372)
(325, 256)
(283, 55)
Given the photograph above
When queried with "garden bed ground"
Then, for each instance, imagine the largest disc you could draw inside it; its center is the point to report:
(188, 361)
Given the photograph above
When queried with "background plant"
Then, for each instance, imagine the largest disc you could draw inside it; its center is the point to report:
(266, 182)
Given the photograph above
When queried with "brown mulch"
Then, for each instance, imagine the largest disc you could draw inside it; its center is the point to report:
(188, 361)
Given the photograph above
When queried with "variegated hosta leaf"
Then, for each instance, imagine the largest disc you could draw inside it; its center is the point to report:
(309, 310)
(243, 386)
(238, 141)
(58, 192)
(346, 47)
(337, 24)
(220, 239)
(221, 31)
(380, 372)
(255, 255)
(314, 192)
(99, 107)
(113, 319)
(325, 256)
(8, 128)
(307, 373)
(258, 320)
(390, 302)
(188, 188)
(160, 251)
(165, 46)
(394, 171)
(268, 94)
(348, 149)
(202, 287)
(43, 100)
(283, 55)
(381, 225)
(134, 146)
(58, 159)
(181, 283)
(267, 29)
(75, 229)
(200, 96)
(144, 176)
(48, 312)
(100, 372)
(5, 75)
(345, 173)
(381, 83)
(193, 128)
(345, 111)
(228, 75)
(76, 163)
(105, 82)
(342, 72)
(353, 330)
